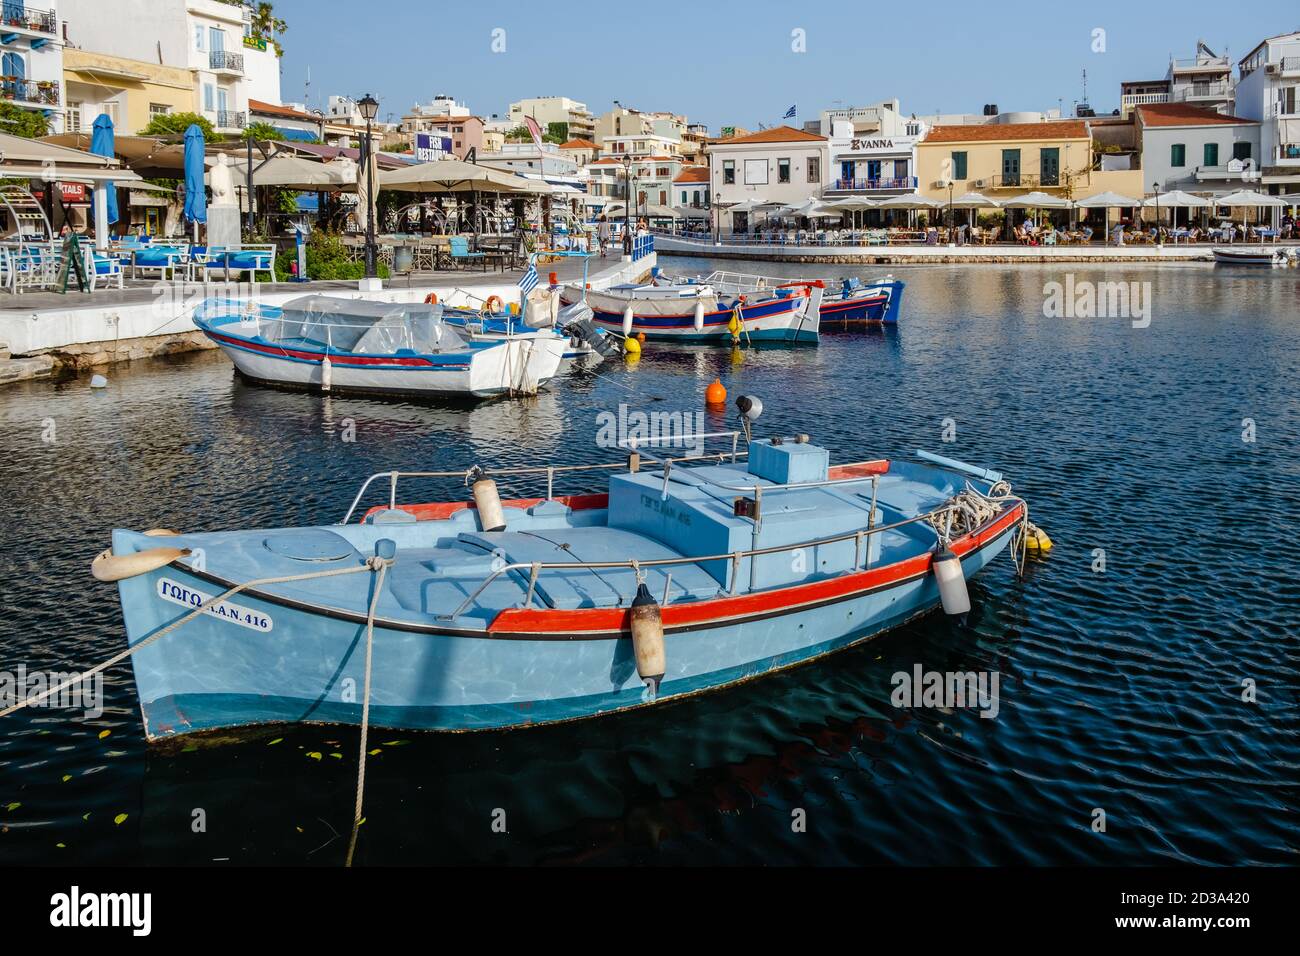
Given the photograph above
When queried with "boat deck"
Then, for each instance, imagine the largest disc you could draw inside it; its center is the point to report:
(443, 563)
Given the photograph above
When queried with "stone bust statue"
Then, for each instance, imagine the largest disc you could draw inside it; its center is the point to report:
(222, 182)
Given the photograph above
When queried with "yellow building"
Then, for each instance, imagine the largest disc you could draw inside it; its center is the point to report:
(1004, 160)
(131, 92)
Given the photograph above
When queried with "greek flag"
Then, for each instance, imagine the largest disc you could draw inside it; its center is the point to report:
(528, 281)
(789, 114)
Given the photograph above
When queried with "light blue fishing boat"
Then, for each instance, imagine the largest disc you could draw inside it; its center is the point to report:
(686, 575)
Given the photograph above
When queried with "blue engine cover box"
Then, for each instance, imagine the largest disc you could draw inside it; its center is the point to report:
(788, 462)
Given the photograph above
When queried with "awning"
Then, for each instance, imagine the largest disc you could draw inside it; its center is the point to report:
(295, 172)
(974, 200)
(1245, 197)
(1109, 200)
(1036, 200)
(456, 176)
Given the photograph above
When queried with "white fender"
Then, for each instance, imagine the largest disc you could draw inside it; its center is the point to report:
(326, 369)
(627, 320)
(699, 315)
(115, 567)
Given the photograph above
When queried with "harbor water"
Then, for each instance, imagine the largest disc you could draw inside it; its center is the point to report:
(1148, 665)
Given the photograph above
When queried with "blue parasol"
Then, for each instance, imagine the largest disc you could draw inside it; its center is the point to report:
(196, 199)
(101, 144)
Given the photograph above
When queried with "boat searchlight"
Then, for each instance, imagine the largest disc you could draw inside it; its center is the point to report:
(750, 408)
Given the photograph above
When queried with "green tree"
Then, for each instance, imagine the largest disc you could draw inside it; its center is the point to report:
(171, 124)
(557, 133)
(260, 131)
(17, 121)
(265, 25)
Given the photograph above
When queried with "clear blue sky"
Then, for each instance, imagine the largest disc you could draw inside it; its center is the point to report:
(726, 62)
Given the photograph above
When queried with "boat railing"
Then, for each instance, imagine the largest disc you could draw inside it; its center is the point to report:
(523, 471)
(861, 536)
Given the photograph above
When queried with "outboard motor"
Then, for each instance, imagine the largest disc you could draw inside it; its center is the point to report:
(576, 322)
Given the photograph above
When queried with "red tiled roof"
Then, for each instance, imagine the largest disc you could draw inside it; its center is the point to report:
(284, 112)
(1180, 114)
(693, 174)
(778, 134)
(993, 132)
(579, 144)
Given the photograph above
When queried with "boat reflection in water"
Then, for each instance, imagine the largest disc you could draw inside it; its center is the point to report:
(712, 778)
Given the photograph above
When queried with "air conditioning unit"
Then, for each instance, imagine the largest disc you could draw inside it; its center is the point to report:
(1272, 67)
(941, 184)
(980, 183)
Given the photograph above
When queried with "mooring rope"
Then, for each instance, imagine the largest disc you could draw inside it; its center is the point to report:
(375, 565)
(365, 701)
(971, 509)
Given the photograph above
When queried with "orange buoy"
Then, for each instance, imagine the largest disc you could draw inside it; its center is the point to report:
(716, 393)
(640, 336)
(497, 300)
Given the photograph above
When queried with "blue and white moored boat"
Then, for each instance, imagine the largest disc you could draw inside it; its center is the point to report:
(330, 344)
(854, 301)
(686, 575)
(700, 313)
(858, 302)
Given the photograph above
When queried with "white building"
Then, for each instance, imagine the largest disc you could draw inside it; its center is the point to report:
(32, 53)
(1196, 150)
(212, 40)
(1203, 80)
(781, 165)
(441, 105)
(639, 145)
(1269, 91)
(874, 163)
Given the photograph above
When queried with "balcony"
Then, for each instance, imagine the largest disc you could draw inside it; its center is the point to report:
(1129, 100)
(1289, 66)
(17, 17)
(1288, 154)
(227, 64)
(25, 92)
(1236, 171)
(231, 120)
(1017, 181)
(872, 185)
(1201, 93)
(1200, 64)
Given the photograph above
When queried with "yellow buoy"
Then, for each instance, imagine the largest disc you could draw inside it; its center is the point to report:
(632, 347)
(1036, 538)
(734, 326)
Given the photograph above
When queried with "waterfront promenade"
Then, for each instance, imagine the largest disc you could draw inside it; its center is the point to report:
(736, 248)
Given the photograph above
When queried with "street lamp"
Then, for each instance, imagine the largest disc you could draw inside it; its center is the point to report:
(952, 223)
(369, 107)
(1156, 187)
(627, 205)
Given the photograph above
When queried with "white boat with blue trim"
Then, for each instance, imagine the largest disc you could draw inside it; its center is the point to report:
(687, 574)
(330, 344)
